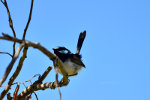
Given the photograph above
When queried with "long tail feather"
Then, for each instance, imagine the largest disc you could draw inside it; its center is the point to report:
(80, 41)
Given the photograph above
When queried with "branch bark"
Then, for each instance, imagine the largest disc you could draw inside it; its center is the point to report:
(6, 53)
(29, 19)
(41, 86)
(11, 64)
(16, 73)
(10, 23)
(41, 78)
(44, 75)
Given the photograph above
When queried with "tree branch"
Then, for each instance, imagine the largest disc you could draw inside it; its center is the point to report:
(6, 53)
(44, 75)
(16, 73)
(29, 19)
(36, 45)
(10, 23)
(30, 44)
(11, 64)
(16, 92)
(51, 56)
(41, 86)
(58, 86)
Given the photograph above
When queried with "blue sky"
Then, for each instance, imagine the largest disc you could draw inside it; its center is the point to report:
(116, 50)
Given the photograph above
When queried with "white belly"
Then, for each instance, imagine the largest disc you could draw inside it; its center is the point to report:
(70, 68)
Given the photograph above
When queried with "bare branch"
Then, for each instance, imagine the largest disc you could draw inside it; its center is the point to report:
(30, 44)
(52, 56)
(9, 96)
(2, 2)
(11, 64)
(36, 96)
(10, 23)
(6, 53)
(16, 73)
(10, 19)
(55, 64)
(44, 75)
(58, 86)
(33, 92)
(10, 38)
(29, 19)
(16, 92)
(41, 86)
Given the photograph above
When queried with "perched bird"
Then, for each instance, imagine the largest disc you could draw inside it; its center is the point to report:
(72, 63)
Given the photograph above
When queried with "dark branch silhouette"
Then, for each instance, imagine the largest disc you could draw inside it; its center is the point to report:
(10, 23)
(6, 53)
(29, 19)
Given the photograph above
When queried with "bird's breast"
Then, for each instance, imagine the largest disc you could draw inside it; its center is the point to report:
(70, 67)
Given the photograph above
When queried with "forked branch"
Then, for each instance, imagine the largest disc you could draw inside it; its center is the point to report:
(11, 64)
(16, 73)
(46, 52)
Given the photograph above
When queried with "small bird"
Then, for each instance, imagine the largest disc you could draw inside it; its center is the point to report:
(72, 63)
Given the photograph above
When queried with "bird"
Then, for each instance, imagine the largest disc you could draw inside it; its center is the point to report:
(71, 62)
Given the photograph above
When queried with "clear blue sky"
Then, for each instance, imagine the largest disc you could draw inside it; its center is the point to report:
(116, 51)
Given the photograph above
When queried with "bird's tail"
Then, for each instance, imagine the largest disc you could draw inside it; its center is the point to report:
(80, 41)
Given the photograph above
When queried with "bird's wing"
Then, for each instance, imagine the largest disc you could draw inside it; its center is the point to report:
(77, 60)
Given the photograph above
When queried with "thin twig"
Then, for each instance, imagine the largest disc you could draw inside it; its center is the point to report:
(55, 65)
(35, 95)
(58, 86)
(10, 23)
(2, 2)
(6, 53)
(29, 19)
(11, 64)
(10, 19)
(9, 96)
(16, 73)
(34, 92)
(16, 92)
(40, 79)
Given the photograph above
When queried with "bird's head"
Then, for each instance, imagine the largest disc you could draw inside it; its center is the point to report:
(61, 50)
